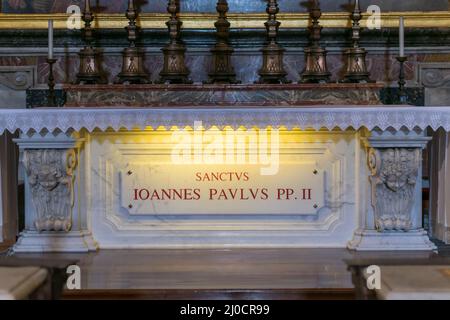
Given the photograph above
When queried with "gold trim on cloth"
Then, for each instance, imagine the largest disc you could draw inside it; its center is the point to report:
(435, 19)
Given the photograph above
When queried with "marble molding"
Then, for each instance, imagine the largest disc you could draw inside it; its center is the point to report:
(14, 81)
(434, 75)
(226, 95)
(435, 78)
(18, 77)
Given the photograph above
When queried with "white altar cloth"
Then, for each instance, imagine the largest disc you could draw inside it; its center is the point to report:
(314, 117)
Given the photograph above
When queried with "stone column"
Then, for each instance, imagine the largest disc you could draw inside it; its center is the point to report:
(14, 81)
(392, 219)
(439, 154)
(8, 190)
(435, 78)
(53, 217)
(1, 211)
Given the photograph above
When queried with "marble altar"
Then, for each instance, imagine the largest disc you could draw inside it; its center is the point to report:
(370, 158)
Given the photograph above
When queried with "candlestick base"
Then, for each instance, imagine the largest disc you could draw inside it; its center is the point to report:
(89, 67)
(133, 67)
(356, 67)
(174, 70)
(316, 70)
(223, 70)
(272, 71)
(51, 83)
(402, 82)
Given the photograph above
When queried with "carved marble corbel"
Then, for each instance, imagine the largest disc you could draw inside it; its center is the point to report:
(50, 176)
(391, 219)
(18, 77)
(394, 173)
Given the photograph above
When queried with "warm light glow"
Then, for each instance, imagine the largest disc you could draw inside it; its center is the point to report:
(199, 145)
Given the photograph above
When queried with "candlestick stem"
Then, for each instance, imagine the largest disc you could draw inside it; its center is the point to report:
(402, 37)
(133, 71)
(356, 56)
(51, 83)
(272, 70)
(402, 82)
(223, 71)
(89, 72)
(316, 70)
(174, 68)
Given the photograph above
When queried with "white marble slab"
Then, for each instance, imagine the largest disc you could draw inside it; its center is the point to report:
(415, 283)
(20, 283)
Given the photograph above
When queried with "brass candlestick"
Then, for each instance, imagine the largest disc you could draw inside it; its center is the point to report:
(174, 69)
(133, 58)
(272, 70)
(89, 69)
(356, 56)
(223, 71)
(316, 70)
(51, 83)
(402, 82)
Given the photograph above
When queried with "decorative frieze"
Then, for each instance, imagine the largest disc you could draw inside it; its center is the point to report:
(434, 75)
(224, 95)
(18, 77)
(50, 178)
